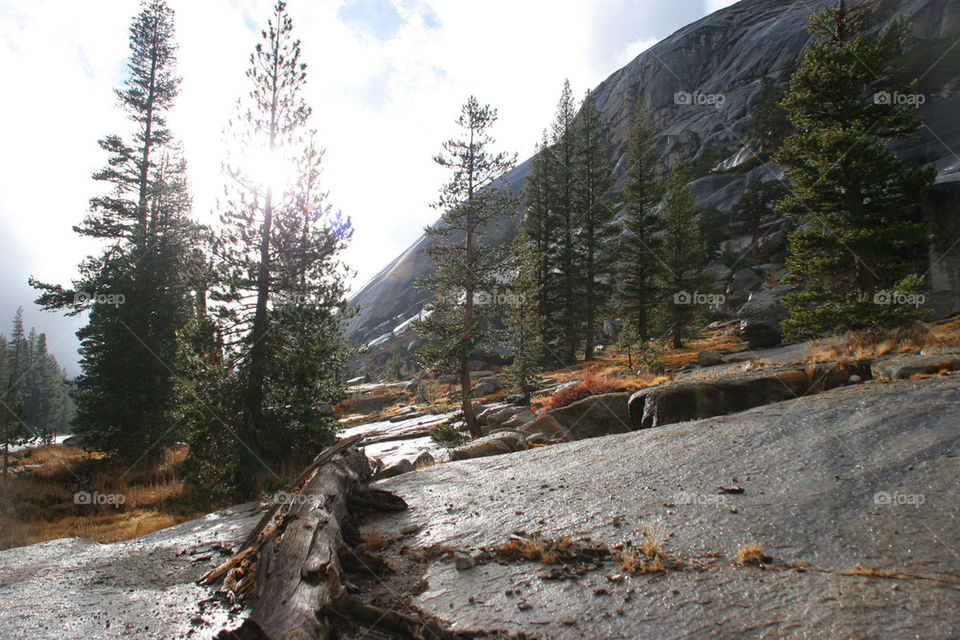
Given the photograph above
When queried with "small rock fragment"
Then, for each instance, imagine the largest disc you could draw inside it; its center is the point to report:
(463, 562)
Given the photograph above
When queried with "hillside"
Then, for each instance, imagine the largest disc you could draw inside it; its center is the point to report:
(730, 52)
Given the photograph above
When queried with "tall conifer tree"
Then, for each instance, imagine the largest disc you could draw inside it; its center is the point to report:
(136, 291)
(641, 240)
(464, 265)
(857, 205)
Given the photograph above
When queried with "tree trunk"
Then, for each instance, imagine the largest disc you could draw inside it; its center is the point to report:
(258, 351)
(866, 282)
(291, 562)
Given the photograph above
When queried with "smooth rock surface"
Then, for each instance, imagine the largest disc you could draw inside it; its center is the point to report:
(78, 589)
(826, 481)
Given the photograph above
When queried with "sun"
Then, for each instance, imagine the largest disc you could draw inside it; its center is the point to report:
(271, 169)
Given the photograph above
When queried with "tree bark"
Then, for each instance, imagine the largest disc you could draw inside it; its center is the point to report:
(293, 554)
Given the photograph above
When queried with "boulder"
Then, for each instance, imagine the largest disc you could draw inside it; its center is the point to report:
(424, 460)
(543, 429)
(709, 358)
(906, 366)
(520, 418)
(396, 469)
(485, 386)
(498, 418)
(412, 385)
(760, 317)
(373, 403)
(594, 416)
(491, 445)
(695, 399)
(745, 280)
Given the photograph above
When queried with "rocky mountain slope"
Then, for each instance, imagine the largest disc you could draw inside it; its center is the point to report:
(729, 54)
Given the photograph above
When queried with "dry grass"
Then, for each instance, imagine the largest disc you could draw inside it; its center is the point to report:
(868, 344)
(654, 536)
(869, 572)
(534, 549)
(39, 501)
(751, 554)
(649, 556)
(589, 385)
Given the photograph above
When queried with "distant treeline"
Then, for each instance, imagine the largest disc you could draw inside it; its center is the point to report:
(38, 383)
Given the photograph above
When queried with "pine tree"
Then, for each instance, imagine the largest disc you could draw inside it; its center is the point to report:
(561, 173)
(768, 124)
(523, 336)
(857, 206)
(464, 266)
(594, 205)
(682, 279)
(641, 239)
(277, 346)
(13, 429)
(754, 204)
(135, 290)
(537, 224)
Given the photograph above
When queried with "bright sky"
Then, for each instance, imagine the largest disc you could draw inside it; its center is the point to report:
(386, 80)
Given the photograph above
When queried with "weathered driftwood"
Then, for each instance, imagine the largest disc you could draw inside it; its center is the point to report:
(294, 550)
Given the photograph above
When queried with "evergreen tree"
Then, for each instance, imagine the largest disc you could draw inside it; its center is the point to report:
(136, 290)
(768, 124)
(277, 343)
(523, 336)
(13, 429)
(682, 279)
(641, 239)
(755, 203)
(464, 266)
(857, 206)
(594, 205)
(563, 218)
(537, 224)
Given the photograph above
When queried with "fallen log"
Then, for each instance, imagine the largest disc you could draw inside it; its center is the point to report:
(289, 564)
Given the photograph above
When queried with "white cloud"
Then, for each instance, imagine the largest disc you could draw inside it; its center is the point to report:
(716, 5)
(633, 49)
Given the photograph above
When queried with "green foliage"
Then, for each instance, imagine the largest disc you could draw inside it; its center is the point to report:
(561, 284)
(274, 335)
(396, 367)
(464, 268)
(681, 277)
(857, 206)
(39, 386)
(447, 434)
(138, 289)
(595, 206)
(427, 392)
(768, 125)
(641, 239)
(523, 336)
(755, 203)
